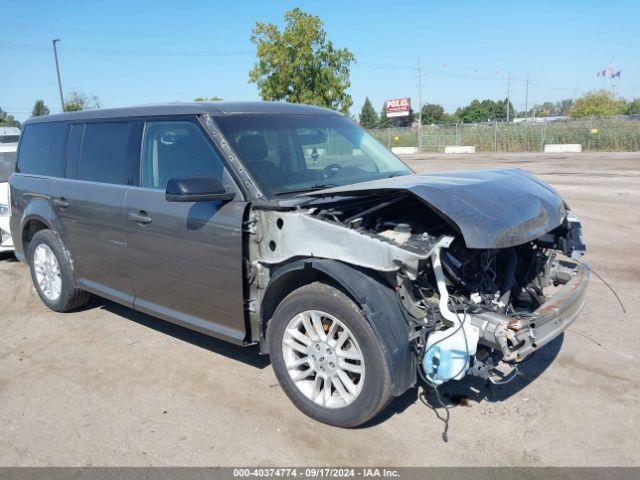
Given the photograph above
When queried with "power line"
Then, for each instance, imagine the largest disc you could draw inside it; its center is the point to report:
(108, 31)
(126, 52)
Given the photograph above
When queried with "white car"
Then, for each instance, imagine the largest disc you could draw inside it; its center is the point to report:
(7, 163)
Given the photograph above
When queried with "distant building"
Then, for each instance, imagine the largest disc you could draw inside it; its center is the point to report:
(9, 134)
(549, 118)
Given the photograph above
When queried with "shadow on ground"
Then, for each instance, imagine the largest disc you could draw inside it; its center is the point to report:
(462, 393)
(248, 355)
(470, 390)
(8, 257)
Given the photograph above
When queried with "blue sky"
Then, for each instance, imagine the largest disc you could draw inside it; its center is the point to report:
(136, 52)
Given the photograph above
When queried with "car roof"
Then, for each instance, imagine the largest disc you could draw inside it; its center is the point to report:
(191, 108)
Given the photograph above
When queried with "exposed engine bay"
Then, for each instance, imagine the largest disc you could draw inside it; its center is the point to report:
(468, 308)
(491, 293)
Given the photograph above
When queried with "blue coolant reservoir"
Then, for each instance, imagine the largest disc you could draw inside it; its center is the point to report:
(448, 354)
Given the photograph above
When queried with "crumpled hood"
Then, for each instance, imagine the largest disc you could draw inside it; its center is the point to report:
(496, 208)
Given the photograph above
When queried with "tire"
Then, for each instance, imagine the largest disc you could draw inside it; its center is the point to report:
(373, 384)
(69, 297)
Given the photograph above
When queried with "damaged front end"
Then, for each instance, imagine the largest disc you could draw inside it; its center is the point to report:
(484, 264)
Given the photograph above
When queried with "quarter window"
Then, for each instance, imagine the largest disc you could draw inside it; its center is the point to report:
(176, 149)
(42, 149)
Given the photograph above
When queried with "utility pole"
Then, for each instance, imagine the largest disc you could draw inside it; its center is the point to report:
(508, 95)
(55, 54)
(526, 97)
(419, 106)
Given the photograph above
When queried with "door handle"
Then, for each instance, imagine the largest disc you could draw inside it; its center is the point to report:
(61, 202)
(141, 217)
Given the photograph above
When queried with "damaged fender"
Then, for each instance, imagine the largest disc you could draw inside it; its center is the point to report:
(381, 307)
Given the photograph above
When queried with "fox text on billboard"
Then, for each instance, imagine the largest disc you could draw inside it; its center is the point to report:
(398, 107)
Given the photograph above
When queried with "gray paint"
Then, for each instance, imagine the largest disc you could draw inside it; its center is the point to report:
(186, 264)
(93, 232)
(491, 208)
(194, 108)
(30, 200)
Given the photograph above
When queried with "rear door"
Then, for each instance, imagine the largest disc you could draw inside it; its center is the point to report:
(102, 164)
(40, 161)
(186, 258)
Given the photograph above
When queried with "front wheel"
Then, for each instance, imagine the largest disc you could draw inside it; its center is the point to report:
(327, 357)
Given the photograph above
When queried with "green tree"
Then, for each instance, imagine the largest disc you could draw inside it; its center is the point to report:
(432, 113)
(450, 118)
(472, 113)
(205, 99)
(546, 109)
(634, 106)
(383, 120)
(487, 110)
(598, 104)
(299, 64)
(81, 101)
(563, 107)
(7, 120)
(404, 121)
(368, 115)
(39, 109)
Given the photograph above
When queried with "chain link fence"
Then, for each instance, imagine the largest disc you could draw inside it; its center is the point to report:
(619, 134)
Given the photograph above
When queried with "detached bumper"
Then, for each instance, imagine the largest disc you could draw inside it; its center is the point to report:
(519, 337)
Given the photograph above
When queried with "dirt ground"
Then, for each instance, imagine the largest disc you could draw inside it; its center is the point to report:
(109, 386)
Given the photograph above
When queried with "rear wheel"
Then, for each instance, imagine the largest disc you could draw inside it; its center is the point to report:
(52, 274)
(327, 357)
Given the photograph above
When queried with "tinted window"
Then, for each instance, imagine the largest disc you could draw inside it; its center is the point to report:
(73, 150)
(42, 149)
(7, 164)
(176, 149)
(107, 153)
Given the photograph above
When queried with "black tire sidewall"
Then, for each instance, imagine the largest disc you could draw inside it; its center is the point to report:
(377, 384)
(68, 288)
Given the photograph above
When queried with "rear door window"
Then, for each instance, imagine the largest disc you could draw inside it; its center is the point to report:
(73, 150)
(42, 149)
(108, 153)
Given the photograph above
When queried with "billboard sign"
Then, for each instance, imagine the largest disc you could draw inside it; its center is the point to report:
(398, 107)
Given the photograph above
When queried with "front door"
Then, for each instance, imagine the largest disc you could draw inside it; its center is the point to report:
(185, 257)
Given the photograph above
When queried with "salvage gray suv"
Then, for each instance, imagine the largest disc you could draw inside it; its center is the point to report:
(289, 227)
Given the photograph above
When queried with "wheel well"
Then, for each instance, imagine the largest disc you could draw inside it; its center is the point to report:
(30, 229)
(286, 283)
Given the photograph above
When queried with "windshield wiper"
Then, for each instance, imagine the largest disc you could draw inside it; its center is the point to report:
(306, 189)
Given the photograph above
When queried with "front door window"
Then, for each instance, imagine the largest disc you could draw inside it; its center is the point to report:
(174, 149)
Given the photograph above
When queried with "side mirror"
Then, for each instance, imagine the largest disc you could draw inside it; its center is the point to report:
(196, 189)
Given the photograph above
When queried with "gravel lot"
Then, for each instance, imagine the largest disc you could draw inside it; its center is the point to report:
(109, 386)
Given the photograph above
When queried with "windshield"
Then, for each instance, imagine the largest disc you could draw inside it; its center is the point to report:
(288, 154)
(7, 164)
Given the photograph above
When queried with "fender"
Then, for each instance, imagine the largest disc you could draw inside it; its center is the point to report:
(37, 209)
(381, 307)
